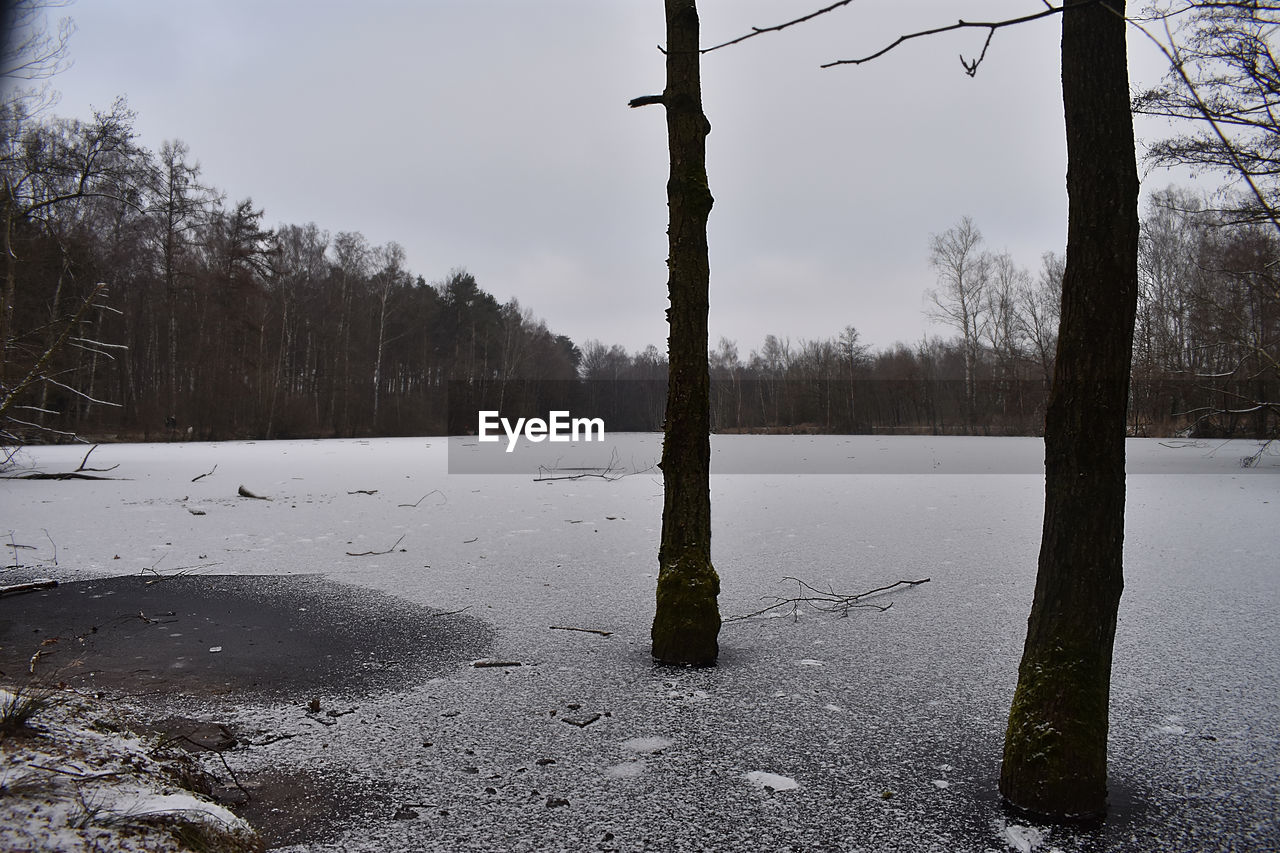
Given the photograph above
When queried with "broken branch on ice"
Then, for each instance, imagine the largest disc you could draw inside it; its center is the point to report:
(19, 588)
(179, 572)
(206, 474)
(80, 473)
(376, 553)
(610, 472)
(443, 499)
(827, 600)
(85, 461)
(245, 493)
(583, 630)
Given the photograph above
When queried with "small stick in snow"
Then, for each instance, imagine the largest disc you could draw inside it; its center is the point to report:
(51, 542)
(18, 589)
(444, 500)
(583, 630)
(85, 460)
(376, 553)
(218, 752)
(828, 600)
(364, 492)
(77, 775)
(205, 474)
(179, 572)
(245, 493)
(151, 621)
(487, 663)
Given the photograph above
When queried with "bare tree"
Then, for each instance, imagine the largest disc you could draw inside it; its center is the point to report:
(52, 169)
(1055, 754)
(391, 275)
(1000, 331)
(1223, 83)
(960, 301)
(31, 50)
(181, 205)
(1223, 78)
(1038, 312)
(687, 620)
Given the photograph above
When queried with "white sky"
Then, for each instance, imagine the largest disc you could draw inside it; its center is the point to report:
(494, 135)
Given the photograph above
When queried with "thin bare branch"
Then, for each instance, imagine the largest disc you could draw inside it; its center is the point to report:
(583, 630)
(757, 31)
(826, 600)
(85, 461)
(970, 67)
(1178, 66)
(377, 553)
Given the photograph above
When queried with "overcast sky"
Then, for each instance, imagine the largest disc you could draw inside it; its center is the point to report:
(494, 135)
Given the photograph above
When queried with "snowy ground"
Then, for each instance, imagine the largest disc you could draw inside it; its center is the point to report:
(78, 780)
(880, 731)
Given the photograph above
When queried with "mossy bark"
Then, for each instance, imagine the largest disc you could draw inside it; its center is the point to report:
(1055, 754)
(687, 620)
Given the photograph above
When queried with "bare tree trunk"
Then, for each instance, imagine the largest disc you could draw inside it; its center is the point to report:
(55, 314)
(687, 620)
(377, 359)
(1055, 755)
(10, 291)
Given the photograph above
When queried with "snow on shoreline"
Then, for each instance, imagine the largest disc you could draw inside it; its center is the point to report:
(923, 685)
(77, 779)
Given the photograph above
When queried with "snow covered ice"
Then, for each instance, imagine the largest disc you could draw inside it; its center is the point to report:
(484, 758)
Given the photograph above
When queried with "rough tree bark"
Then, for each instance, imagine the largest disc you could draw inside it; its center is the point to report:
(1055, 754)
(687, 619)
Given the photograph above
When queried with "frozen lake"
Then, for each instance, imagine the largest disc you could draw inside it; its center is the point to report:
(890, 724)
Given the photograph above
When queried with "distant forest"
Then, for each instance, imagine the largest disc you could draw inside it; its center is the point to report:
(146, 306)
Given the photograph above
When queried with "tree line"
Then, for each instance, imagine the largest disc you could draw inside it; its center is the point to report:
(215, 326)
(1206, 346)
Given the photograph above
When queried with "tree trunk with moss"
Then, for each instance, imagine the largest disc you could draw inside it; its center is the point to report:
(687, 620)
(1055, 754)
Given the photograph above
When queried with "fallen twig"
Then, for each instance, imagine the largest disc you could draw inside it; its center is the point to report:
(376, 553)
(80, 473)
(583, 630)
(151, 621)
(488, 663)
(85, 461)
(19, 588)
(235, 780)
(427, 495)
(610, 472)
(364, 492)
(180, 571)
(40, 561)
(64, 475)
(826, 601)
(75, 774)
(205, 474)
